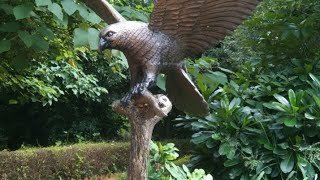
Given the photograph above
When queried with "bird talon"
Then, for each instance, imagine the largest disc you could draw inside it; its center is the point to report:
(125, 100)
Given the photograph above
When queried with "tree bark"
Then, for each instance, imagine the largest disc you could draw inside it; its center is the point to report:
(144, 112)
(105, 10)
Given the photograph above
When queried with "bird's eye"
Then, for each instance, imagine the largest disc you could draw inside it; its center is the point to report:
(110, 33)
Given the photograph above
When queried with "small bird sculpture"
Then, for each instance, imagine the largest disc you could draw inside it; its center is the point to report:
(178, 29)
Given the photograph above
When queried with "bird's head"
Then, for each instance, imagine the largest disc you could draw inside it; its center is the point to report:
(117, 36)
(110, 37)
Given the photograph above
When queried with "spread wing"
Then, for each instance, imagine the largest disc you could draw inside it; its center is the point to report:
(199, 24)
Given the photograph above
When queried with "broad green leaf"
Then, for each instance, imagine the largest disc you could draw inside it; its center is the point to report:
(8, 9)
(287, 163)
(315, 80)
(200, 137)
(22, 11)
(282, 100)
(26, 38)
(218, 77)
(83, 11)
(43, 2)
(234, 103)
(63, 23)
(232, 162)
(278, 106)
(93, 38)
(224, 149)
(80, 37)
(39, 44)
(46, 32)
(56, 10)
(10, 27)
(309, 116)
(292, 97)
(69, 6)
(93, 18)
(290, 122)
(5, 46)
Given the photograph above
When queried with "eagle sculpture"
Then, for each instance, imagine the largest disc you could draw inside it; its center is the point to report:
(178, 29)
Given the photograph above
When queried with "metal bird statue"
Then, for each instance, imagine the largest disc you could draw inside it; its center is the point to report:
(177, 29)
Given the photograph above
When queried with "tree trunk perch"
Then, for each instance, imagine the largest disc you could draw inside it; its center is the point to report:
(144, 112)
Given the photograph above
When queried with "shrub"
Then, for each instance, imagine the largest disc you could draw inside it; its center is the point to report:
(68, 162)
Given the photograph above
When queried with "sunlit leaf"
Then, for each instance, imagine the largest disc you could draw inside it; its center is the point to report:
(93, 38)
(292, 97)
(69, 6)
(56, 10)
(80, 37)
(22, 11)
(43, 2)
(282, 100)
(93, 18)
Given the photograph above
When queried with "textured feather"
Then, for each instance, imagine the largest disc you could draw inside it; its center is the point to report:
(184, 94)
(199, 24)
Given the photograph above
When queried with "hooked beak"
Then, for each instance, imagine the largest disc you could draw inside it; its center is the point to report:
(103, 44)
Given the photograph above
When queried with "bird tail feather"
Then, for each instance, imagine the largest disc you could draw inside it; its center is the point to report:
(184, 94)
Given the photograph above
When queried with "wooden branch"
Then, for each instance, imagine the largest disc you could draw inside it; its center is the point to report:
(144, 112)
(105, 10)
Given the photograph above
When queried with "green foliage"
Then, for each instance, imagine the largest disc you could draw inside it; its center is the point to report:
(161, 165)
(264, 119)
(72, 162)
(51, 83)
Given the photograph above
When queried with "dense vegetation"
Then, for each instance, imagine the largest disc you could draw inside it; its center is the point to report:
(262, 84)
(264, 122)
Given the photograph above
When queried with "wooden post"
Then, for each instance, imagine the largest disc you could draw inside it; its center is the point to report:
(144, 112)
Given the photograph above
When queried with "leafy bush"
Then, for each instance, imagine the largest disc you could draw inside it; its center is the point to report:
(73, 162)
(264, 118)
(161, 165)
(69, 162)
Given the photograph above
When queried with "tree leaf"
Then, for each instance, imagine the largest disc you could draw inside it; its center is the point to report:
(56, 10)
(234, 103)
(26, 38)
(83, 11)
(224, 149)
(290, 122)
(80, 37)
(292, 97)
(232, 162)
(282, 100)
(93, 18)
(5, 46)
(10, 27)
(45, 31)
(8, 9)
(218, 77)
(22, 11)
(43, 2)
(287, 163)
(93, 38)
(69, 6)
(39, 44)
